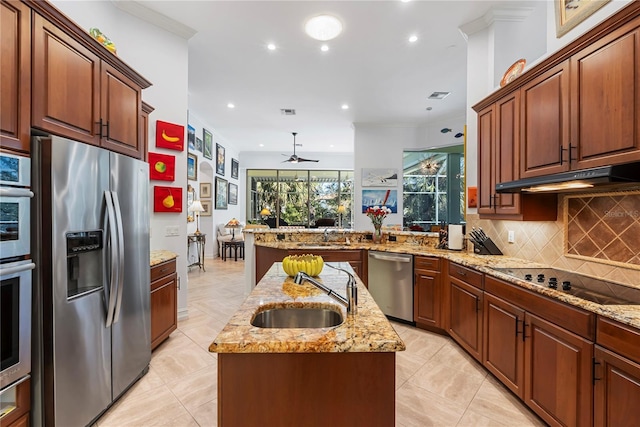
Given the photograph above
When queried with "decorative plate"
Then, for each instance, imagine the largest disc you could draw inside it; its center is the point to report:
(514, 71)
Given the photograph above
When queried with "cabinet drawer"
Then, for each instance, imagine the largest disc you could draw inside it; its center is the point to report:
(164, 269)
(426, 263)
(573, 319)
(622, 339)
(465, 274)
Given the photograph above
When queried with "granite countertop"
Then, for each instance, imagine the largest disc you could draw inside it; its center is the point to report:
(367, 331)
(627, 314)
(161, 255)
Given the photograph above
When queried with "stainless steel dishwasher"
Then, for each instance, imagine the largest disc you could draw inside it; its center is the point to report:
(391, 283)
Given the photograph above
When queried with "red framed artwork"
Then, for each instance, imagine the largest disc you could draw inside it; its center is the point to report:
(167, 199)
(162, 167)
(169, 135)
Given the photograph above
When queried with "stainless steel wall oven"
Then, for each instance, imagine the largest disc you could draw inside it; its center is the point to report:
(15, 206)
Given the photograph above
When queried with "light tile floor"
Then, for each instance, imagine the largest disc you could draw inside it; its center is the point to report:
(437, 383)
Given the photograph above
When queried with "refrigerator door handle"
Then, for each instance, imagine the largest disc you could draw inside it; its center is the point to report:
(113, 244)
(120, 226)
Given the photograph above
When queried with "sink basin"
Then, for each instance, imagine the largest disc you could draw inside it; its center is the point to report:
(297, 318)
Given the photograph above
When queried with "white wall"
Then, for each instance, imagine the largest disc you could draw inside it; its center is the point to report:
(162, 58)
(206, 173)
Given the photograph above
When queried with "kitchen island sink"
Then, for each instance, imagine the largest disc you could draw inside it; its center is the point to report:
(298, 317)
(291, 356)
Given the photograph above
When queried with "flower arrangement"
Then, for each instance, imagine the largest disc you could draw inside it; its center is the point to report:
(377, 214)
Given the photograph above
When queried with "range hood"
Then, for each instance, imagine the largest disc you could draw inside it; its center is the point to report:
(584, 179)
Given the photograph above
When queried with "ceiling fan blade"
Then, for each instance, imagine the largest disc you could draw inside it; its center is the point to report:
(300, 159)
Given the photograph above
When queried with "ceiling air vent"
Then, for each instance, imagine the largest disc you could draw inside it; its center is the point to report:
(288, 111)
(439, 95)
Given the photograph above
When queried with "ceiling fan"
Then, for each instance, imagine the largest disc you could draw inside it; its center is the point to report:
(294, 158)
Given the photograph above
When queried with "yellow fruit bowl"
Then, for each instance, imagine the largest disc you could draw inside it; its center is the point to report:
(310, 264)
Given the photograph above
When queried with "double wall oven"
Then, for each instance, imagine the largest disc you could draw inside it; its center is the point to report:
(15, 276)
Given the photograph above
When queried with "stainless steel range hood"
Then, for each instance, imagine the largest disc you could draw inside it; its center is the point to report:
(579, 180)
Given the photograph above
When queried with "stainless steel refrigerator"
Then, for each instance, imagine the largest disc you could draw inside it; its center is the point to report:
(92, 288)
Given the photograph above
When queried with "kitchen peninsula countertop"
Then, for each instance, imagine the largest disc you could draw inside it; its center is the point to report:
(627, 314)
(161, 255)
(367, 331)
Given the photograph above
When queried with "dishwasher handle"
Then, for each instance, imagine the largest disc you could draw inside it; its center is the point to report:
(384, 257)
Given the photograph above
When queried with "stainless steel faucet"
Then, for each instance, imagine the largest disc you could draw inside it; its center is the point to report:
(351, 301)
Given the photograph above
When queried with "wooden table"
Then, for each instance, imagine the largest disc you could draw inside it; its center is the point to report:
(233, 244)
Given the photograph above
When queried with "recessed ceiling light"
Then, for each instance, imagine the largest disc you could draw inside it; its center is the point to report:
(345, 107)
(260, 145)
(413, 39)
(271, 46)
(230, 105)
(331, 146)
(323, 27)
(324, 48)
(405, 1)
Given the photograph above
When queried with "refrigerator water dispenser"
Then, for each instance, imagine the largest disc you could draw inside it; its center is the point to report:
(84, 262)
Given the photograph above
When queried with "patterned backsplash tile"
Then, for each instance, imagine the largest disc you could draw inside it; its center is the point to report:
(547, 241)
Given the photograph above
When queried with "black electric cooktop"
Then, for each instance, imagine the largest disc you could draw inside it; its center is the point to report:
(591, 289)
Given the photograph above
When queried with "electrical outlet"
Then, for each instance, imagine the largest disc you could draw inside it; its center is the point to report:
(511, 236)
(173, 230)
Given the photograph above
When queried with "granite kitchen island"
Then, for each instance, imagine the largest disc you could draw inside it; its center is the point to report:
(341, 375)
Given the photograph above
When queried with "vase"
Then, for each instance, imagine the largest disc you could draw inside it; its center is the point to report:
(377, 233)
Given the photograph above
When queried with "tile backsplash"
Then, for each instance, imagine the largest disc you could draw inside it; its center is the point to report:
(557, 243)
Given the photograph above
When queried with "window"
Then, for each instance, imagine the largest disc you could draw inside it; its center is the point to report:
(433, 188)
(300, 197)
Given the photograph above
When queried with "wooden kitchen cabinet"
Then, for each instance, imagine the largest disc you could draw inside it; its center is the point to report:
(19, 416)
(558, 373)
(465, 309)
(544, 142)
(15, 79)
(616, 374)
(605, 100)
(499, 161)
(616, 390)
(503, 353)
(427, 292)
(542, 350)
(79, 95)
(164, 301)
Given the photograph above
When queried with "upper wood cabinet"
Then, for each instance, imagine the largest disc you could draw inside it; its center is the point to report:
(544, 143)
(577, 109)
(81, 90)
(15, 79)
(605, 100)
(499, 161)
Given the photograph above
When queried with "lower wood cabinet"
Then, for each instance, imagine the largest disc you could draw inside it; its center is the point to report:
(465, 308)
(545, 364)
(427, 292)
(19, 416)
(616, 374)
(164, 301)
(558, 373)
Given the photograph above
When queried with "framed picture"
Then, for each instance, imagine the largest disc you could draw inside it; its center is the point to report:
(207, 144)
(198, 144)
(233, 194)
(192, 167)
(219, 159)
(206, 205)
(221, 193)
(191, 138)
(205, 190)
(388, 198)
(570, 13)
(167, 199)
(169, 135)
(162, 167)
(235, 166)
(379, 177)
